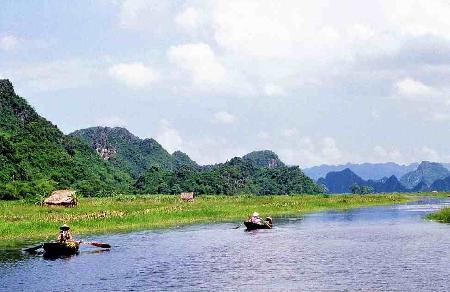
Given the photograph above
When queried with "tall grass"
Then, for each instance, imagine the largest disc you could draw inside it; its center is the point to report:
(25, 222)
(442, 215)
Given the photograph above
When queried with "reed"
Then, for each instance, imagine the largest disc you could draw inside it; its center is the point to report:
(24, 223)
(442, 215)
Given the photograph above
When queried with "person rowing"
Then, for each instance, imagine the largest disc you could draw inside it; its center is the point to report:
(255, 218)
(64, 234)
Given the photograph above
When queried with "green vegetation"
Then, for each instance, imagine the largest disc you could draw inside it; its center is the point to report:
(441, 216)
(237, 176)
(361, 190)
(36, 157)
(21, 221)
(130, 153)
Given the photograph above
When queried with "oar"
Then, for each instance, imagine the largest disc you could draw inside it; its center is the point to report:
(33, 249)
(237, 226)
(97, 244)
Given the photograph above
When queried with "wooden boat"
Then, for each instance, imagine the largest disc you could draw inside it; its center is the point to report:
(57, 248)
(252, 226)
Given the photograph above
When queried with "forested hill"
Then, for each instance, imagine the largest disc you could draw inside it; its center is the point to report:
(264, 158)
(130, 153)
(36, 157)
(237, 176)
(156, 171)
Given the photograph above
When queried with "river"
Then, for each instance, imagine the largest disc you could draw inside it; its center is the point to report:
(378, 248)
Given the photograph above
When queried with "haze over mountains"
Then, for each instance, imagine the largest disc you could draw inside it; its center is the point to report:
(428, 176)
(366, 171)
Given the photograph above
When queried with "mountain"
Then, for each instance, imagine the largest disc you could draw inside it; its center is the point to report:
(442, 185)
(37, 157)
(237, 176)
(182, 159)
(264, 158)
(374, 171)
(130, 153)
(427, 173)
(386, 185)
(338, 182)
(342, 181)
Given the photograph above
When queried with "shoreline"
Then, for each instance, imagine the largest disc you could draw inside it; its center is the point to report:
(23, 223)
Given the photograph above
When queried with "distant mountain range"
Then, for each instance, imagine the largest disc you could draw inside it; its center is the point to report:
(338, 182)
(427, 172)
(374, 171)
(428, 176)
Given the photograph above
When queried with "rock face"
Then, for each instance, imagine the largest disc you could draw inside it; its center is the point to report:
(64, 198)
(340, 182)
(35, 152)
(264, 158)
(387, 185)
(425, 174)
(130, 153)
(442, 185)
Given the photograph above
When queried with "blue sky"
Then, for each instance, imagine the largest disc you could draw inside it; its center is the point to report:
(315, 81)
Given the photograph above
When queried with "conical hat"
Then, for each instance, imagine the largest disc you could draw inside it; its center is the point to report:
(255, 214)
(64, 227)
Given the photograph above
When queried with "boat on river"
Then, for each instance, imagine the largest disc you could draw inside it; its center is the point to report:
(58, 248)
(267, 224)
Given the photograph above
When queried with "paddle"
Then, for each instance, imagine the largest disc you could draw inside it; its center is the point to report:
(237, 226)
(33, 249)
(97, 244)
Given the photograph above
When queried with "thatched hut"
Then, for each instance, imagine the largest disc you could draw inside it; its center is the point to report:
(188, 197)
(64, 198)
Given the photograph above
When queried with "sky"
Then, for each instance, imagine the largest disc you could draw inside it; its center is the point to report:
(318, 82)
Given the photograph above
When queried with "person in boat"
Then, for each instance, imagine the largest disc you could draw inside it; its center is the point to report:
(255, 218)
(64, 234)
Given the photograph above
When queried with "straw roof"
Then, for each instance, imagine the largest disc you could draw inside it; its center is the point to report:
(61, 198)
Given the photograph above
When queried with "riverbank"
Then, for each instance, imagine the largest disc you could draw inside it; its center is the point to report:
(22, 222)
(441, 215)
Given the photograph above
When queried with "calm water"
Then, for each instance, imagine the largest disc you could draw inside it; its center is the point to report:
(382, 248)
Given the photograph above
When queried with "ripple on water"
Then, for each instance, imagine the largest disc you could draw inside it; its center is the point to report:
(383, 248)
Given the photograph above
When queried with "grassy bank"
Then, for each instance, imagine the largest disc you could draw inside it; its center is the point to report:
(24, 222)
(441, 216)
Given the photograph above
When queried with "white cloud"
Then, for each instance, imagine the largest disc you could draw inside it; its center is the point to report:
(224, 117)
(55, 75)
(420, 17)
(410, 88)
(144, 14)
(432, 103)
(273, 90)
(189, 19)
(111, 121)
(306, 151)
(200, 62)
(134, 74)
(382, 154)
(427, 153)
(169, 137)
(9, 42)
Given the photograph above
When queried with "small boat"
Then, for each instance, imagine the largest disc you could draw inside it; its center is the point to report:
(58, 249)
(253, 226)
(267, 224)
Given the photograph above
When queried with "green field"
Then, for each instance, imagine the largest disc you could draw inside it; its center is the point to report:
(22, 222)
